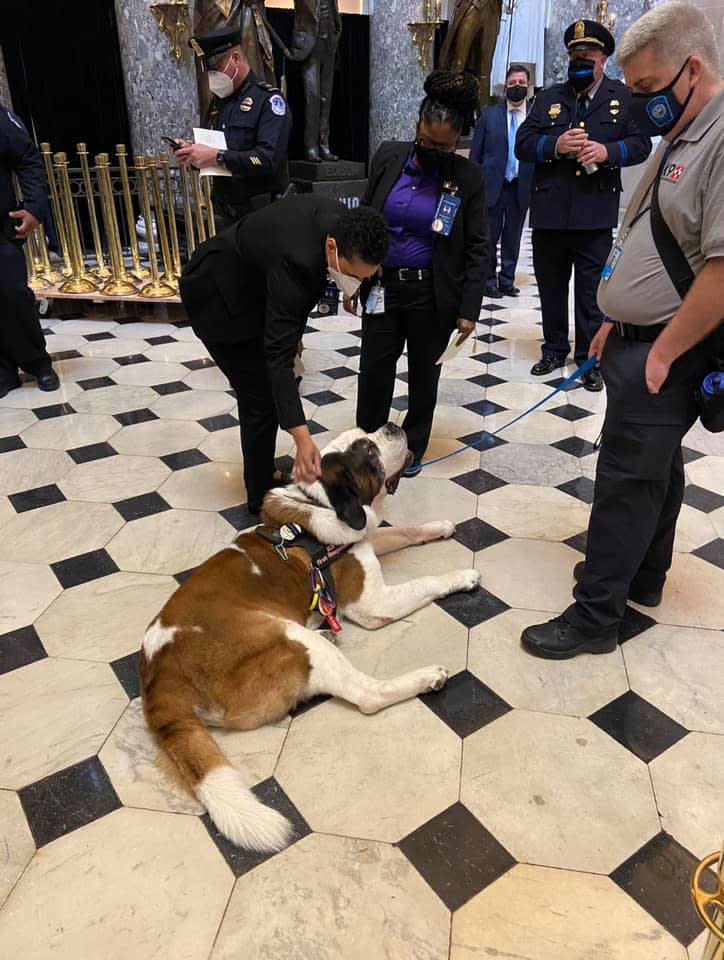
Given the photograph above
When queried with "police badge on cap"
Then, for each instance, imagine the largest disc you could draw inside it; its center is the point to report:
(590, 34)
(214, 44)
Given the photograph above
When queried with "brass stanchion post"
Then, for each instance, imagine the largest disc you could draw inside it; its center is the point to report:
(79, 281)
(188, 212)
(155, 288)
(710, 905)
(36, 281)
(196, 192)
(57, 210)
(119, 285)
(171, 210)
(210, 222)
(101, 271)
(52, 275)
(139, 272)
(161, 230)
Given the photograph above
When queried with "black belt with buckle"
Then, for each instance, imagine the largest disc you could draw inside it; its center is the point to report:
(406, 274)
(631, 331)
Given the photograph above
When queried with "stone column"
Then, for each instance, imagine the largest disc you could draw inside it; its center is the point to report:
(5, 97)
(396, 77)
(161, 91)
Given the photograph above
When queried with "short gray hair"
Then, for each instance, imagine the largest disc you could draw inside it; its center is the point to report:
(675, 31)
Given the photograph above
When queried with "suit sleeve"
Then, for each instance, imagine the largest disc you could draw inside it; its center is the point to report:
(377, 165)
(477, 148)
(477, 246)
(633, 148)
(531, 142)
(286, 315)
(271, 145)
(24, 159)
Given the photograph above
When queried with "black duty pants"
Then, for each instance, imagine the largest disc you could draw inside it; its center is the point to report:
(244, 364)
(639, 482)
(410, 317)
(22, 343)
(555, 254)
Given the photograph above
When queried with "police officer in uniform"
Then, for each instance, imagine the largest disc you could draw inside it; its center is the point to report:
(21, 338)
(256, 121)
(579, 134)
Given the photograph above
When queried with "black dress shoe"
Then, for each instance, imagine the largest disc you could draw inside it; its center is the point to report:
(7, 385)
(644, 598)
(560, 640)
(510, 291)
(492, 292)
(48, 379)
(546, 365)
(593, 381)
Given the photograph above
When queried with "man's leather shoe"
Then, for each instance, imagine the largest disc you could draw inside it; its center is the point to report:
(593, 381)
(492, 292)
(560, 640)
(546, 365)
(510, 291)
(48, 379)
(7, 385)
(644, 598)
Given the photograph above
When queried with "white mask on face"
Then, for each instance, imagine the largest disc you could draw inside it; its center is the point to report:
(221, 84)
(348, 285)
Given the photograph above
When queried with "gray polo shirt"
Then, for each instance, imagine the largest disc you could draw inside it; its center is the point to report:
(691, 196)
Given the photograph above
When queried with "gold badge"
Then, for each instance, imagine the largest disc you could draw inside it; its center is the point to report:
(554, 110)
(246, 104)
(437, 226)
(196, 47)
(579, 31)
(615, 103)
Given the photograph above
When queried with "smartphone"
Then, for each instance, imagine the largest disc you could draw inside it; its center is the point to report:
(172, 143)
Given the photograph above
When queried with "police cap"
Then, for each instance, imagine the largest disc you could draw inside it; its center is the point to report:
(215, 43)
(589, 33)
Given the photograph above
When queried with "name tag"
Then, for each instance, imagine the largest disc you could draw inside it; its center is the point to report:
(447, 210)
(613, 258)
(375, 300)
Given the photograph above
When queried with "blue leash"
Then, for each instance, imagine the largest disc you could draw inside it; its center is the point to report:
(486, 435)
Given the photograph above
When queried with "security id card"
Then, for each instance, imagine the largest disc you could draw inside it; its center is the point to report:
(613, 258)
(447, 210)
(375, 300)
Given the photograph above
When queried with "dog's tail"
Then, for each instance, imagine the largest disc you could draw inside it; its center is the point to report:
(199, 763)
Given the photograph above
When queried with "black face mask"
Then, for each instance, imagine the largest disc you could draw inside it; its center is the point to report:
(432, 162)
(516, 93)
(658, 112)
(580, 74)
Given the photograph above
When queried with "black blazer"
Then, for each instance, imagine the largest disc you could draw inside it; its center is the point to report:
(489, 149)
(460, 261)
(259, 281)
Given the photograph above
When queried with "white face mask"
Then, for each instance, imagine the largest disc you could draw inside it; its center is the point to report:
(348, 285)
(221, 84)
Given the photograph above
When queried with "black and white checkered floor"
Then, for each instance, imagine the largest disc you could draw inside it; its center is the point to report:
(531, 810)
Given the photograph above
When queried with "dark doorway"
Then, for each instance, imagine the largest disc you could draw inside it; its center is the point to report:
(64, 71)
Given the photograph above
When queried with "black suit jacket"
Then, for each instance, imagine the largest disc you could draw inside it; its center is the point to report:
(259, 281)
(489, 149)
(460, 261)
(565, 197)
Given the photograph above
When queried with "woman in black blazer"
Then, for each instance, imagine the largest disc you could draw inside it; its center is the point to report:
(433, 277)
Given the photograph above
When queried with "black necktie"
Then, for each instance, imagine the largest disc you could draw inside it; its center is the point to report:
(582, 106)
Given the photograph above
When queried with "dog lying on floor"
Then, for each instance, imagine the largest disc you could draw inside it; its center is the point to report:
(232, 647)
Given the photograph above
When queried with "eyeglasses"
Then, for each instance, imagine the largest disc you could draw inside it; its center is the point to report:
(446, 148)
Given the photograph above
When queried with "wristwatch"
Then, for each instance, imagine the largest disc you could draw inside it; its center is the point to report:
(221, 158)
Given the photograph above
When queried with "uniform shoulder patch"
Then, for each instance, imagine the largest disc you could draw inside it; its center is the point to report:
(278, 105)
(18, 123)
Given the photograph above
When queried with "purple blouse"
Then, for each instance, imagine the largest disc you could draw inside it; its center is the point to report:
(409, 211)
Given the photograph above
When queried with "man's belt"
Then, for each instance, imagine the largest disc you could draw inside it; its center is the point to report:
(632, 331)
(406, 274)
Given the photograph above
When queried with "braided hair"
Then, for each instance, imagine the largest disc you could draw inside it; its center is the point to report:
(451, 98)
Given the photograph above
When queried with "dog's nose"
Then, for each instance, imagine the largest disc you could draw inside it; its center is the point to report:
(392, 430)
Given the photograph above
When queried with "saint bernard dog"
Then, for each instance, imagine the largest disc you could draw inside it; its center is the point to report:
(235, 645)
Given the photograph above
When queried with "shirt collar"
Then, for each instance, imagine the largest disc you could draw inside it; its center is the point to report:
(594, 90)
(713, 110)
(515, 106)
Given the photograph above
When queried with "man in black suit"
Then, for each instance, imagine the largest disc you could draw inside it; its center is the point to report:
(579, 135)
(317, 29)
(248, 293)
(508, 181)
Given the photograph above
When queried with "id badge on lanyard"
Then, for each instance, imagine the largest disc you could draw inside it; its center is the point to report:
(375, 304)
(447, 209)
(612, 262)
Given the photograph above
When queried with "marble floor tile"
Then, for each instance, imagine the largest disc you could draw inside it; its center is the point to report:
(17, 843)
(170, 542)
(523, 324)
(536, 513)
(543, 578)
(533, 913)
(150, 374)
(707, 472)
(693, 530)
(111, 348)
(209, 486)
(517, 396)
(329, 341)
(225, 445)
(531, 463)
(454, 421)
(353, 899)
(155, 438)
(176, 352)
(114, 478)
(555, 773)
(103, 619)
(7, 511)
(27, 590)
(184, 334)
(538, 428)
(590, 428)
(30, 397)
(688, 593)
(84, 327)
(463, 367)
(118, 399)
(32, 749)
(142, 330)
(59, 531)
(701, 440)
(717, 518)
(421, 500)
(58, 342)
(575, 687)
(429, 559)
(462, 462)
(193, 405)
(405, 746)
(144, 873)
(84, 368)
(13, 422)
(66, 433)
(209, 379)
(26, 469)
(457, 392)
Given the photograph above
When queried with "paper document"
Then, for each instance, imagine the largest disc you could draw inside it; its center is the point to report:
(451, 350)
(217, 140)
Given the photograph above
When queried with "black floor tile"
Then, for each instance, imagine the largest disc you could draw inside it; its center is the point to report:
(581, 488)
(479, 481)
(134, 416)
(183, 576)
(579, 542)
(657, 877)
(220, 422)
(176, 386)
(350, 351)
(38, 497)
(472, 608)
(309, 704)
(315, 428)
(489, 338)
(639, 726)
(11, 443)
(466, 704)
(488, 357)
(239, 517)
(202, 363)
(698, 497)
(713, 552)
(95, 383)
(634, 623)
(62, 354)
(485, 408)
(93, 451)
(19, 648)
(131, 359)
(690, 455)
(338, 373)
(126, 670)
(145, 505)
(456, 855)
(53, 410)
(271, 794)
(400, 403)
(576, 446)
(157, 341)
(184, 459)
(476, 535)
(83, 568)
(485, 380)
(569, 411)
(69, 799)
(92, 337)
(323, 398)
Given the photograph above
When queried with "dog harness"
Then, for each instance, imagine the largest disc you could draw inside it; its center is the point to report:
(321, 579)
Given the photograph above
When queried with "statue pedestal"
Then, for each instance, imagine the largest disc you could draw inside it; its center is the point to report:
(314, 172)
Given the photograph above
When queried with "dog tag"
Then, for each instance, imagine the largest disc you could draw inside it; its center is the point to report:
(334, 624)
(376, 300)
(447, 210)
(286, 533)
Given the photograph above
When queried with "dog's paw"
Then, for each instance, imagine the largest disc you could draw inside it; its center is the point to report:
(435, 678)
(440, 529)
(465, 580)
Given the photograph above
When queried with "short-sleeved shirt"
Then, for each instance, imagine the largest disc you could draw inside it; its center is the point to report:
(691, 197)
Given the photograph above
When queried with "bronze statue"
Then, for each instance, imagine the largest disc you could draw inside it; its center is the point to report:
(317, 28)
(471, 39)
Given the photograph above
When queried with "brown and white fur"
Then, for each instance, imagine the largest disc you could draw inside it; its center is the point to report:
(233, 646)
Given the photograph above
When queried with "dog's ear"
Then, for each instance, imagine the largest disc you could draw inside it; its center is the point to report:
(342, 491)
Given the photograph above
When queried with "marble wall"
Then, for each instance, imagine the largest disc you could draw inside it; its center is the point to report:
(161, 92)
(5, 97)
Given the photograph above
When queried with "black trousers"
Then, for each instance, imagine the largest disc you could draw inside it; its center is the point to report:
(22, 343)
(410, 317)
(555, 254)
(506, 221)
(639, 481)
(245, 367)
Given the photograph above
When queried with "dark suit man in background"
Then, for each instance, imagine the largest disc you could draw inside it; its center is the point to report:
(579, 135)
(317, 28)
(508, 181)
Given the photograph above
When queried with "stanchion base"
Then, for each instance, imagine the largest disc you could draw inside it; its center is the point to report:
(159, 289)
(102, 273)
(78, 285)
(53, 276)
(39, 283)
(119, 288)
(139, 273)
